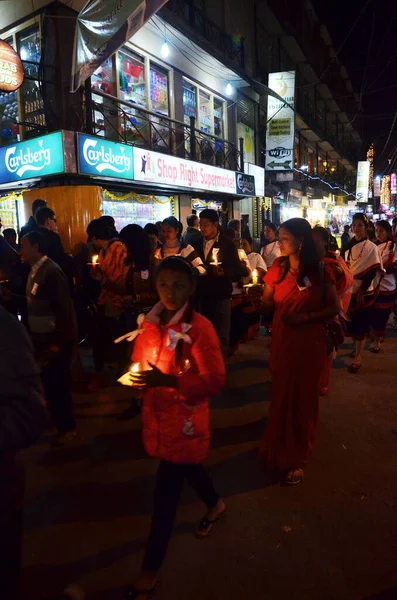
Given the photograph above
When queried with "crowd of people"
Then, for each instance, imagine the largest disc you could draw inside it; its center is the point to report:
(178, 304)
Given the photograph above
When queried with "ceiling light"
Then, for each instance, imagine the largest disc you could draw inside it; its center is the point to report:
(165, 50)
(229, 89)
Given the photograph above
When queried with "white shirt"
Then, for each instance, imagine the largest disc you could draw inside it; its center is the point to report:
(256, 261)
(37, 266)
(271, 252)
(208, 245)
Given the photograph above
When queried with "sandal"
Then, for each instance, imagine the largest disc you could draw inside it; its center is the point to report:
(294, 477)
(354, 368)
(375, 349)
(206, 526)
(134, 594)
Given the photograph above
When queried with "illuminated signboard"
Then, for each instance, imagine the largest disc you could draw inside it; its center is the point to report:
(11, 68)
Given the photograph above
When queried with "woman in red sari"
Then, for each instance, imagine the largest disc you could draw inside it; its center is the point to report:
(293, 291)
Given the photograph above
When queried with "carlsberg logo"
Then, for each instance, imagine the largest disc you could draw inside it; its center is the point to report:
(20, 161)
(102, 159)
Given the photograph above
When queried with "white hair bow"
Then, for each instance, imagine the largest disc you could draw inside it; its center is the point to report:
(130, 337)
(175, 336)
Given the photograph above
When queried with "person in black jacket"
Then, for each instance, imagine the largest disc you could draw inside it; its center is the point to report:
(32, 225)
(192, 235)
(22, 420)
(215, 288)
(47, 222)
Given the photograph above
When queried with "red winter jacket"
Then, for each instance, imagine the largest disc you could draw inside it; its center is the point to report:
(176, 424)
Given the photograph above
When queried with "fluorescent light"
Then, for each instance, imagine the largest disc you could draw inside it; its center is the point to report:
(165, 50)
(229, 89)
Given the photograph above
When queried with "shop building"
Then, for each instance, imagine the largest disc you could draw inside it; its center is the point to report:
(162, 107)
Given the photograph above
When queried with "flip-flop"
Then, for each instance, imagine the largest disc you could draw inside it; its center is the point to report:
(206, 526)
(375, 349)
(297, 480)
(354, 368)
(133, 593)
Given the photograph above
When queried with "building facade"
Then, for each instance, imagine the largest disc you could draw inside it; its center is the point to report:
(188, 93)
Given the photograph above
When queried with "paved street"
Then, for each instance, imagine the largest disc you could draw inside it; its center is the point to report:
(332, 538)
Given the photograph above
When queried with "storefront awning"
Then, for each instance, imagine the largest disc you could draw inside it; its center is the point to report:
(102, 27)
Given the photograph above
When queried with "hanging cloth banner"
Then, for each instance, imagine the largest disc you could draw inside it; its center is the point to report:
(102, 27)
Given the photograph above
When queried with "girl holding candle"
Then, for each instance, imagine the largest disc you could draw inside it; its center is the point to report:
(251, 315)
(383, 305)
(293, 294)
(171, 230)
(365, 265)
(181, 367)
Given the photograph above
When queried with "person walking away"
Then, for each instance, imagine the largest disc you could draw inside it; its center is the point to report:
(344, 288)
(365, 265)
(345, 239)
(111, 270)
(293, 290)
(215, 289)
(180, 367)
(46, 219)
(235, 225)
(32, 225)
(53, 329)
(193, 235)
(271, 250)
(384, 301)
(153, 234)
(10, 235)
(173, 245)
(251, 315)
(22, 420)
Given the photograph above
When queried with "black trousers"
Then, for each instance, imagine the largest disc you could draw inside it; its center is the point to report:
(57, 388)
(11, 501)
(169, 483)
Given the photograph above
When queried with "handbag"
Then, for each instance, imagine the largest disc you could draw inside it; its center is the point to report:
(334, 329)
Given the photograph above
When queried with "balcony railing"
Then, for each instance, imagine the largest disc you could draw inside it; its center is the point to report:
(124, 122)
(198, 22)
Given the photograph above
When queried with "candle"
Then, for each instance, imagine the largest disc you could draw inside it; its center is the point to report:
(95, 260)
(215, 257)
(241, 254)
(254, 277)
(135, 368)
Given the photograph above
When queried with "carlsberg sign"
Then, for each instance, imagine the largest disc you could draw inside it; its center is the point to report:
(35, 158)
(101, 157)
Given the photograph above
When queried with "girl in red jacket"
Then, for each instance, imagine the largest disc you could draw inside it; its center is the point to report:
(178, 365)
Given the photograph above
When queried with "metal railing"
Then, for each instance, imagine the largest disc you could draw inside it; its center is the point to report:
(131, 124)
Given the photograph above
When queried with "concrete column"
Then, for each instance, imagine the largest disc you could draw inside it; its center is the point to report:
(185, 208)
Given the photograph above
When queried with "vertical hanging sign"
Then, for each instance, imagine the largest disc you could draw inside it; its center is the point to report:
(280, 131)
(362, 181)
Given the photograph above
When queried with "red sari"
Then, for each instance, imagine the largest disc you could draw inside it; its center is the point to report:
(297, 359)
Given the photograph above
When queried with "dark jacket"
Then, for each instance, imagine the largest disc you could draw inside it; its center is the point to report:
(220, 288)
(22, 413)
(193, 237)
(55, 251)
(51, 313)
(31, 225)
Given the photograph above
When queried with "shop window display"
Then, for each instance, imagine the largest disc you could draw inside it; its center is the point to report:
(129, 209)
(31, 96)
(104, 115)
(8, 213)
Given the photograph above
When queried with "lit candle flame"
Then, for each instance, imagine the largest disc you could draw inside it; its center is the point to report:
(95, 259)
(254, 277)
(241, 254)
(214, 259)
(135, 368)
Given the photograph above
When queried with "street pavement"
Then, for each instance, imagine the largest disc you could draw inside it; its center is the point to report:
(334, 537)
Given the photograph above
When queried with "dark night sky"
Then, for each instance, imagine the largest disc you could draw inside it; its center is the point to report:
(379, 21)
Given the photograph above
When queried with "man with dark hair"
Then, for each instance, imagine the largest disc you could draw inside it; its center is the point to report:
(53, 329)
(31, 225)
(193, 235)
(215, 289)
(47, 222)
(22, 420)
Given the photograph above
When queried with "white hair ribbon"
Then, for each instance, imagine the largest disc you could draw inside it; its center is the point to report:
(175, 336)
(130, 336)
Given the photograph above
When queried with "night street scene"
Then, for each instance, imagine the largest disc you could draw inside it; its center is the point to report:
(198, 300)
